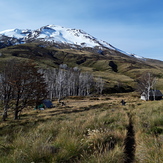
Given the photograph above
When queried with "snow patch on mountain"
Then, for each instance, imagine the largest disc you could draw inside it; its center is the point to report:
(67, 35)
(15, 33)
(58, 34)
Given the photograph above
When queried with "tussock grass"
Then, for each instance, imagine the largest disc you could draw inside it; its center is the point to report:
(148, 126)
(86, 130)
(73, 136)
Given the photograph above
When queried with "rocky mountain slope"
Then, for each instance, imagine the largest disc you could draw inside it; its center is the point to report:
(74, 38)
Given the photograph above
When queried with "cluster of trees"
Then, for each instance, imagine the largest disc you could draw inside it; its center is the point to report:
(71, 82)
(23, 84)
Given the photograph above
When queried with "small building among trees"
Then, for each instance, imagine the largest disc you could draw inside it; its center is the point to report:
(153, 95)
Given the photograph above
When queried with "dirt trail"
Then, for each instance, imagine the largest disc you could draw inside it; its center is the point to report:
(129, 143)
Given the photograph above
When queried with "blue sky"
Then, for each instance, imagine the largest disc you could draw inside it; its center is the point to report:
(133, 26)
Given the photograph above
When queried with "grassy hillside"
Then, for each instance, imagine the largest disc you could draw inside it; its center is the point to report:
(128, 68)
(86, 130)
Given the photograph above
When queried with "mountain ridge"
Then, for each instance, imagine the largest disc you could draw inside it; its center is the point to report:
(56, 34)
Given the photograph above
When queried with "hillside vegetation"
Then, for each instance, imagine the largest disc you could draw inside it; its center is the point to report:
(86, 130)
(128, 69)
(91, 129)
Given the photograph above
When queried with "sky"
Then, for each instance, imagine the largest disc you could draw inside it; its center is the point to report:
(134, 26)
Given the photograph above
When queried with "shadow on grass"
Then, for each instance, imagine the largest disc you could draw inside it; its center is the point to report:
(130, 143)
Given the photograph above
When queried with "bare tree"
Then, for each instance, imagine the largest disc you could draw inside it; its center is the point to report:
(99, 85)
(50, 77)
(147, 83)
(25, 83)
(6, 89)
(60, 83)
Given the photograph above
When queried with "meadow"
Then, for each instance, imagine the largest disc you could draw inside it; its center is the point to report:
(86, 130)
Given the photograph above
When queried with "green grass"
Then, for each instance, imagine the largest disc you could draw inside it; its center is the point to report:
(76, 136)
(129, 69)
(90, 131)
(86, 130)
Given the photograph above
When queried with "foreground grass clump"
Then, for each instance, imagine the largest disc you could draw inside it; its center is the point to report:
(85, 131)
(149, 135)
(91, 135)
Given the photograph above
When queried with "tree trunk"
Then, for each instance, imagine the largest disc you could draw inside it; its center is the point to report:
(16, 114)
(4, 115)
(17, 106)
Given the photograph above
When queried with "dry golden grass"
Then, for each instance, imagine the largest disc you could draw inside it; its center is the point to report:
(91, 129)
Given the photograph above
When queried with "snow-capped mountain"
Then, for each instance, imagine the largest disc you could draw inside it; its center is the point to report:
(55, 34)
